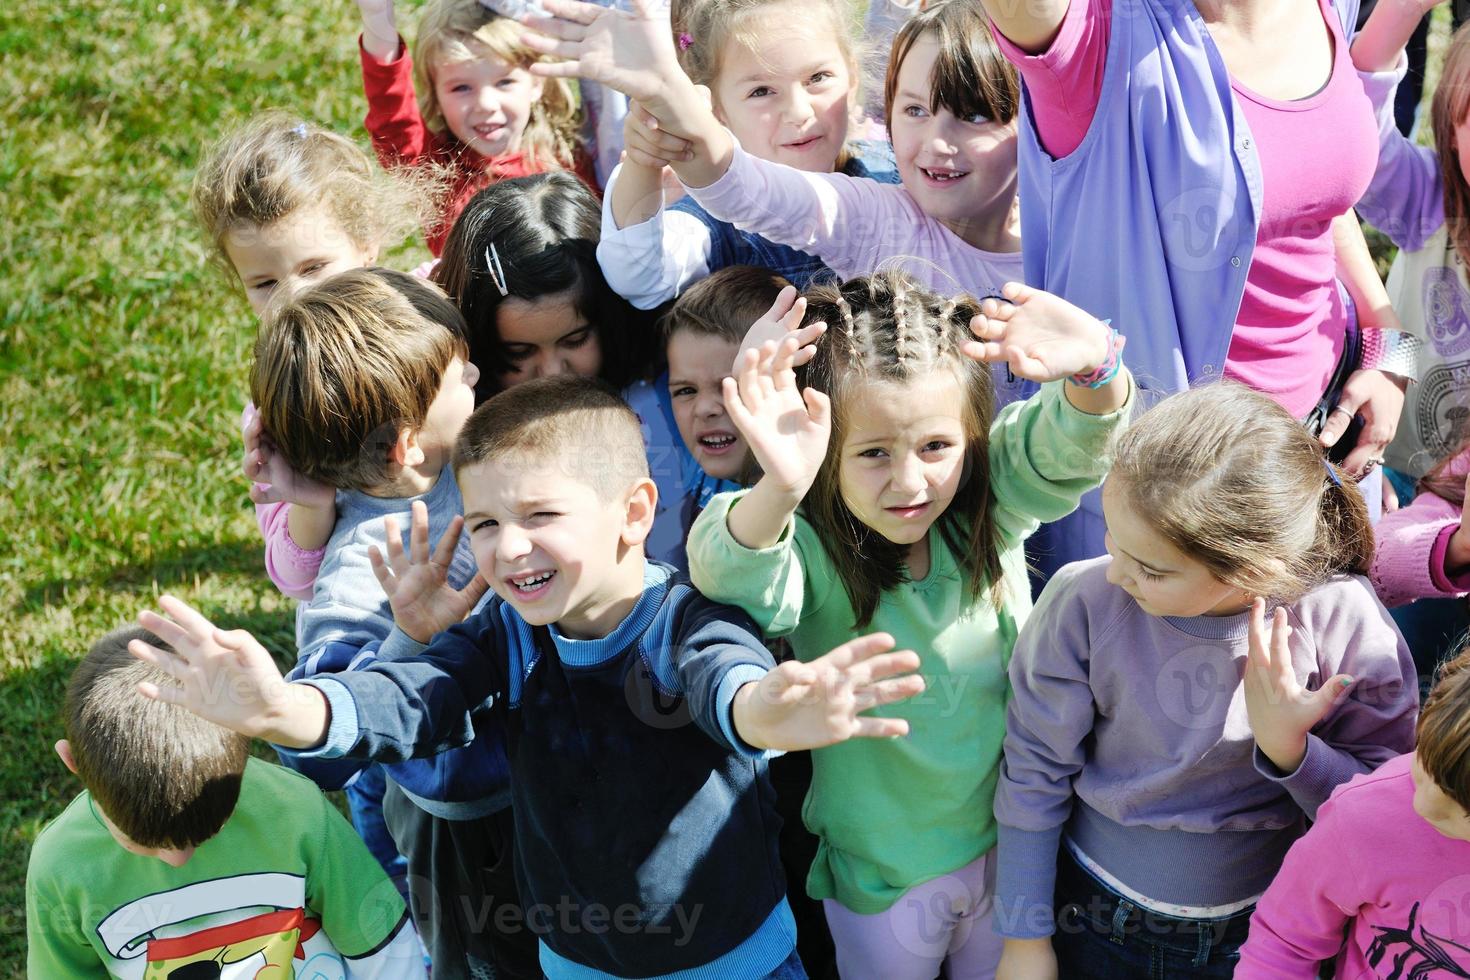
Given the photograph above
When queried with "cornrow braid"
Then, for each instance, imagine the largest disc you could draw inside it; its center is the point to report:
(904, 342)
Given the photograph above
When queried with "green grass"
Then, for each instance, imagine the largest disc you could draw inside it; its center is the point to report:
(123, 353)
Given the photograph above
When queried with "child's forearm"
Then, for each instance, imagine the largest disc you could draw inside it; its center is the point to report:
(1377, 46)
(379, 29)
(637, 194)
(713, 149)
(759, 519)
(299, 720)
(1104, 400)
(310, 527)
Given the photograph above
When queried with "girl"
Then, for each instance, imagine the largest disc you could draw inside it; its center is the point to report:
(890, 501)
(783, 76)
(464, 106)
(1162, 750)
(521, 265)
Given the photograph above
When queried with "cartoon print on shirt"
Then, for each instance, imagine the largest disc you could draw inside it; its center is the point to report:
(1434, 952)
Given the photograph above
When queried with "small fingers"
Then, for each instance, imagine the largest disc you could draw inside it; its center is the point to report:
(158, 657)
(866, 727)
(448, 542)
(167, 693)
(889, 691)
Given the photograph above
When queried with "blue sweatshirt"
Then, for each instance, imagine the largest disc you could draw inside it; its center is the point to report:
(646, 831)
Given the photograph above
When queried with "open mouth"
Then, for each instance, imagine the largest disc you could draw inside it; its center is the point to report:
(943, 175)
(906, 512)
(531, 585)
(716, 443)
(489, 132)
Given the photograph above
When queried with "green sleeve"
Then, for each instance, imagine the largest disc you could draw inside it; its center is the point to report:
(1044, 455)
(56, 945)
(358, 906)
(776, 586)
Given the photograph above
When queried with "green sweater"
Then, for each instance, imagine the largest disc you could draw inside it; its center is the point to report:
(893, 813)
(286, 883)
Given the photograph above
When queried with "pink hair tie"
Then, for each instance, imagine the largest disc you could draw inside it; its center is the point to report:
(685, 41)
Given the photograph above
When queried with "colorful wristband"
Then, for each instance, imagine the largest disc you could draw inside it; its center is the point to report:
(1111, 365)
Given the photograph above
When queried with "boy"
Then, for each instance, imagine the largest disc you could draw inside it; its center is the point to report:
(363, 383)
(185, 857)
(694, 450)
(645, 845)
(1387, 864)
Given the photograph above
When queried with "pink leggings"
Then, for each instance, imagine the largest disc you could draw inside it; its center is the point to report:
(941, 923)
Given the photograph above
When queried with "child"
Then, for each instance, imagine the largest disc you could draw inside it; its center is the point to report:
(1387, 862)
(521, 265)
(644, 844)
(694, 450)
(1161, 751)
(913, 510)
(364, 381)
(783, 76)
(465, 104)
(185, 857)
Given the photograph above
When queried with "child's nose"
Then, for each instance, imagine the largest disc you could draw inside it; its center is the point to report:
(798, 107)
(512, 543)
(908, 474)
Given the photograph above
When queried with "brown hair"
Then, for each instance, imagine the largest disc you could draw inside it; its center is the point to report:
(1450, 104)
(1442, 738)
(1231, 479)
(447, 32)
(711, 25)
(276, 164)
(573, 427)
(164, 776)
(342, 367)
(723, 304)
(971, 77)
(886, 327)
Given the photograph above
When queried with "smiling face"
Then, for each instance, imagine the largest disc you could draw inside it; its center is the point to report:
(903, 453)
(305, 246)
(698, 362)
(1164, 580)
(552, 545)
(786, 99)
(486, 101)
(546, 337)
(959, 171)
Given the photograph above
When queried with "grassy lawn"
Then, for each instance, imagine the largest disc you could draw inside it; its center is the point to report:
(123, 353)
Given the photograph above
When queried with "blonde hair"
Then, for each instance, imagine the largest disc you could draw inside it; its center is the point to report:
(1231, 479)
(1449, 107)
(448, 32)
(276, 164)
(343, 366)
(1443, 734)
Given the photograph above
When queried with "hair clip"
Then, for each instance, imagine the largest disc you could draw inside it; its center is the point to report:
(492, 266)
(299, 130)
(1331, 473)
(685, 41)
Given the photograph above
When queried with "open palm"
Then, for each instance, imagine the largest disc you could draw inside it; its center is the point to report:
(631, 51)
(1041, 336)
(786, 427)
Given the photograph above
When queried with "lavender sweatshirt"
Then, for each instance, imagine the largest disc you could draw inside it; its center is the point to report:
(1128, 733)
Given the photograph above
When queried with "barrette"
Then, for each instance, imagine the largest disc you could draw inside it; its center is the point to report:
(492, 266)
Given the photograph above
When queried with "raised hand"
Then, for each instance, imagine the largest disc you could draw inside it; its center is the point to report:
(227, 678)
(1280, 709)
(272, 478)
(631, 51)
(379, 28)
(647, 145)
(1041, 336)
(417, 584)
(809, 705)
(783, 319)
(785, 426)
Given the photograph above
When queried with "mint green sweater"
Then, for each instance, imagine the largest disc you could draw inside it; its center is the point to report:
(893, 813)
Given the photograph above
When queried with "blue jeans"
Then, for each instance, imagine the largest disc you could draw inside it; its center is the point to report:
(789, 969)
(1103, 936)
(365, 803)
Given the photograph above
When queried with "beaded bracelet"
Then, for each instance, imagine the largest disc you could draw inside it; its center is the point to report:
(1111, 365)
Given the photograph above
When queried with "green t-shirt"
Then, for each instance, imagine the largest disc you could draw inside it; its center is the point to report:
(286, 884)
(893, 813)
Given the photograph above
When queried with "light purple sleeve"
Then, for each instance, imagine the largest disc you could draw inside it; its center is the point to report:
(1352, 634)
(1048, 721)
(1409, 554)
(1405, 199)
(291, 567)
(849, 223)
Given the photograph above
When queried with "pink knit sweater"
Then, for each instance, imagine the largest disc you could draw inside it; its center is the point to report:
(1410, 550)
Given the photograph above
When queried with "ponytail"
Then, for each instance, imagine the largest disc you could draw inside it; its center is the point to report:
(1344, 532)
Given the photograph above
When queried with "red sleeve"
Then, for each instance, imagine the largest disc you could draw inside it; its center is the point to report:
(1064, 82)
(398, 131)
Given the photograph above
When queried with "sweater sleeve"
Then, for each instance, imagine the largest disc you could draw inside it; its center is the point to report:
(393, 120)
(718, 649)
(1405, 199)
(1409, 553)
(1064, 82)
(653, 261)
(775, 586)
(1045, 454)
(1048, 721)
(1352, 634)
(360, 909)
(850, 223)
(1300, 920)
(291, 568)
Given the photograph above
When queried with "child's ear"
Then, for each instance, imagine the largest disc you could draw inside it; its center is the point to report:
(63, 749)
(406, 450)
(538, 85)
(639, 510)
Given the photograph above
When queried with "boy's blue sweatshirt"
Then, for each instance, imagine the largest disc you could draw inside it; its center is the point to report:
(646, 832)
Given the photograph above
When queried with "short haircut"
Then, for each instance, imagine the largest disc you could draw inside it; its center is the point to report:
(1443, 736)
(576, 427)
(164, 776)
(724, 304)
(342, 367)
